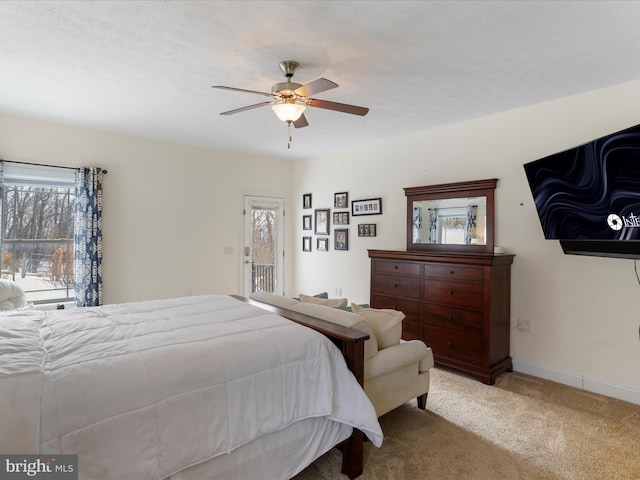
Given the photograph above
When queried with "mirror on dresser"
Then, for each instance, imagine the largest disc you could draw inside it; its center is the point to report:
(452, 217)
(453, 289)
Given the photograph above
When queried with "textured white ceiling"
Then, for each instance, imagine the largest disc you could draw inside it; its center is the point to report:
(146, 67)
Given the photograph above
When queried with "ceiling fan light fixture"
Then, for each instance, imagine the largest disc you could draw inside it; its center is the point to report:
(289, 110)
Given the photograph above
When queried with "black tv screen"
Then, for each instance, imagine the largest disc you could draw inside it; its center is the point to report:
(588, 197)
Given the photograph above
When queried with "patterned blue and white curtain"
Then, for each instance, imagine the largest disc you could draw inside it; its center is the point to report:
(433, 225)
(470, 224)
(417, 225)
(87, 258)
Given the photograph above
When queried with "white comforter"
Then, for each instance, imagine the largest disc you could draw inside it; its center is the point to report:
(143, 390)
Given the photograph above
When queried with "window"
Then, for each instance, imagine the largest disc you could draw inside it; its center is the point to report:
(37, 230)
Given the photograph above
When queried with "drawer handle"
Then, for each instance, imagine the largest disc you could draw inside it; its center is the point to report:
(451, 292)
(451, 318)
(450, 344)
(452, 272)
(396, 267)
(396, 285)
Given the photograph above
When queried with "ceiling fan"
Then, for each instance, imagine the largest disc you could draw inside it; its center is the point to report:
(289, 99)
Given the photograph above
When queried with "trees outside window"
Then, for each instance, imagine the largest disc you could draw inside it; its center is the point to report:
(263, 232)
(37, 240)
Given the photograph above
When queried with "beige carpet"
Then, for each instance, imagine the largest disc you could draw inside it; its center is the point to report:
(521, 428)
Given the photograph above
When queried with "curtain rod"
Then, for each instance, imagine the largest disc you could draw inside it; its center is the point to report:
(45, 165)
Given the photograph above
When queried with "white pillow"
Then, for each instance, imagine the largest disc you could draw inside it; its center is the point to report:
(274, 299)
(11, 295)
(329, 302)
(385, 322)
(344, 318)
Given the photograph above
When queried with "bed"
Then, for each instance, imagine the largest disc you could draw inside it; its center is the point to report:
(197, 387)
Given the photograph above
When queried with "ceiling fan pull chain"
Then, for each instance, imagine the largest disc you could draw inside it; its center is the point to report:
(290, 137)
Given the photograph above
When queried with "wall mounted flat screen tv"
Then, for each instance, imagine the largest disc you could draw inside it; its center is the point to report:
(588, 197)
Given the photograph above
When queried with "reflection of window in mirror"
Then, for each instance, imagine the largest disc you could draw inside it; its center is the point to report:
(450, 225)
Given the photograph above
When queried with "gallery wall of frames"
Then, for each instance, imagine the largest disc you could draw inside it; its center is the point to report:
(318, 221)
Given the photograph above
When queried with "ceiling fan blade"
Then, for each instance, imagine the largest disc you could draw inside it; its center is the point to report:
(233, 89)
(301, 122)
(317, 86)
(249, 107)
(338, 107)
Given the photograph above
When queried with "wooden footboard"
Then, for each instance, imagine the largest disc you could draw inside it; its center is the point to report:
(351, 344)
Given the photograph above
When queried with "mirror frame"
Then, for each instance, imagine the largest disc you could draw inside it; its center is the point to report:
(477, 188)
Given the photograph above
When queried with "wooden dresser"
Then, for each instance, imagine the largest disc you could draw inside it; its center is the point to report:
(457, 303)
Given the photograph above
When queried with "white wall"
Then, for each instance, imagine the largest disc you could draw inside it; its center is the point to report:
(583, 310)
(170, 211)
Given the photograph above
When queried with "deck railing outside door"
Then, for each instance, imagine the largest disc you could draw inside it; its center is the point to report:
(263, 278)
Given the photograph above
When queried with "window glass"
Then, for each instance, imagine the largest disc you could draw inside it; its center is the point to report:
(37, 232)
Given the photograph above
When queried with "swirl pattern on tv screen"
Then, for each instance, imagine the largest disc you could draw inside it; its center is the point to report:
(591, 192)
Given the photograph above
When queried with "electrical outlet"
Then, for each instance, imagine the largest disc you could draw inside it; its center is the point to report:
(338, 291)
(524, 325)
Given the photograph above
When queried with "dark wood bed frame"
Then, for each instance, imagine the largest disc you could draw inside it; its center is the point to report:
(351, 344)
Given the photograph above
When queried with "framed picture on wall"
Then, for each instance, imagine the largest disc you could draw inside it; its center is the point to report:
(341, 239)
(321, 221)
(306, 200)
(306, 244)
(322, 244)
(371, 206)
(341, 200)
(367, 230)
(306, 222)
(341, 218)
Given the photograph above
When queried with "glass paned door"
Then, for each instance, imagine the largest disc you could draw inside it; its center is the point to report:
(263, 252)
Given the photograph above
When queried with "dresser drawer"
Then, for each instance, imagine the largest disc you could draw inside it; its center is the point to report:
(456, 346)
(394, 285)
(398, 268)
(457, 319)
(454, 272)
(451, 293)
(408, 307)
(411, 331)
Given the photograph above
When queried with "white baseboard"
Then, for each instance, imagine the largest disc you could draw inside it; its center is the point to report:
(579, 381)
